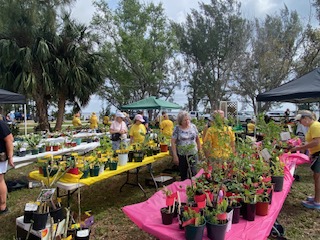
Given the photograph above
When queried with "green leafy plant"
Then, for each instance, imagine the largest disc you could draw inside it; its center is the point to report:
(192, 214)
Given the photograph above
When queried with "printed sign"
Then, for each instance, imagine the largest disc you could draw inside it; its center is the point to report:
(46, 195)
(265, 154)
(285, 136)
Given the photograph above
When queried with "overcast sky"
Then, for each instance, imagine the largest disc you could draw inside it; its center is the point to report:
(178, 9)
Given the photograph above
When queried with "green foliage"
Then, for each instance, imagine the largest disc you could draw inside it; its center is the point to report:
(189, 214)
(33, 140)
(138, 47)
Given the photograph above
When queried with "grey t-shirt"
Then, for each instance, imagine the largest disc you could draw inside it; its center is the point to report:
(186, 140)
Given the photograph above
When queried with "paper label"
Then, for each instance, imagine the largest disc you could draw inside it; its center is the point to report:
(31, 207)
(265, 154)
(285, 136)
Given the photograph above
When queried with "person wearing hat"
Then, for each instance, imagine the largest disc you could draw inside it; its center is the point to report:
(93, 121)
(118, 130)
(76, 122)
(137, 131)
(146, 120)
(307, 119)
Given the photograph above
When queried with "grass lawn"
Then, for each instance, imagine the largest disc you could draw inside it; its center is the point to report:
(105, 201)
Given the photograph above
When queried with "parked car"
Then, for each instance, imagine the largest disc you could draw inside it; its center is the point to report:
(279, 116)
(244, 117)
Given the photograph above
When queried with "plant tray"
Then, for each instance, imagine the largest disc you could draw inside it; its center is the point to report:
(160, 180)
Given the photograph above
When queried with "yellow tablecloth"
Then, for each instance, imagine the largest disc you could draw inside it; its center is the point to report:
(106, 174)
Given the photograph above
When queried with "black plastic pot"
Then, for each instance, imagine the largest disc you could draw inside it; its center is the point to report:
(236, 214)
(166, 216)
(130, 156)
(138, 156)
(194, 232)
(278, 180)
(39, 221)
(28, 216)
(250, 211)
(216, 231)
(57, 214)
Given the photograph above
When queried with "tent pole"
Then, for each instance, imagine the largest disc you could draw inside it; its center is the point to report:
(25, 118)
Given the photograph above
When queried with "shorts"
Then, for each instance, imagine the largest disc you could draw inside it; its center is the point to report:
(3, 167)
(315, 165)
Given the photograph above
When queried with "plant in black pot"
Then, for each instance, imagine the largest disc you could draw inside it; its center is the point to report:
(193, 223)
(234, 203)
(216, 222)
(277, 170)
(249, 204)
(168, 211)
(33, 143)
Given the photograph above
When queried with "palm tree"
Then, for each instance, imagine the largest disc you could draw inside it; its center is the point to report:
(27, 34)
(77, 69)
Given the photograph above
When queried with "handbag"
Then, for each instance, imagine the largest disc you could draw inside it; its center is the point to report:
(115, 137)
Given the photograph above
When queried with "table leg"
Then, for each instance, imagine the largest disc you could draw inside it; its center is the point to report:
(151, 174)
(68, 195)
(137, 183)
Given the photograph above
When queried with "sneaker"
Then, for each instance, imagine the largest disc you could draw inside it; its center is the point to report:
(6, 210)
(310, 199)
(311, 205)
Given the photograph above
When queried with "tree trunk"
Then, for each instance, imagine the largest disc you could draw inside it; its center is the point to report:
(42, 111)
(61, 110)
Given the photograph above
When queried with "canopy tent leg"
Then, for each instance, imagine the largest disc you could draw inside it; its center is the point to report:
(25, 118)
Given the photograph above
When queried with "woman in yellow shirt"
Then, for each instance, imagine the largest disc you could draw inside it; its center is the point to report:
(93, 121)
(307, 119)
(137, 131)
(76, 122)
(219, 141)
(166, 125)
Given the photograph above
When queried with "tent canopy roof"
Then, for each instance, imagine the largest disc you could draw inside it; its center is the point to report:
(303, 89)
(11, 97)
(151, 103)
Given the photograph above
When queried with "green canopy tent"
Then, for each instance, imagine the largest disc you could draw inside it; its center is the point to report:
(151, 103)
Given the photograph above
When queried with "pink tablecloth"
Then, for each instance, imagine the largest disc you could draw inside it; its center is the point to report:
(146, 215)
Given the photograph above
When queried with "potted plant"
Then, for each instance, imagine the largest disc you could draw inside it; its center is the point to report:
(19, 149)
(113, 164)
(216, 221)
(94, 168)
(123, 153)
(85, 168)
(277, 170)
(249, 205)
(235, 204)
(262, 206)
(168, 211)
(138, 153)
(164, 142)
(193, 223)
(33, 142)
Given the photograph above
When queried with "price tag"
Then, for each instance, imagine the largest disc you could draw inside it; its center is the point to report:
(31, 207)
(265, 154)
(285, 136)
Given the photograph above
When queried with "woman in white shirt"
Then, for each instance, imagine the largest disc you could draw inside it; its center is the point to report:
(118, 130)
